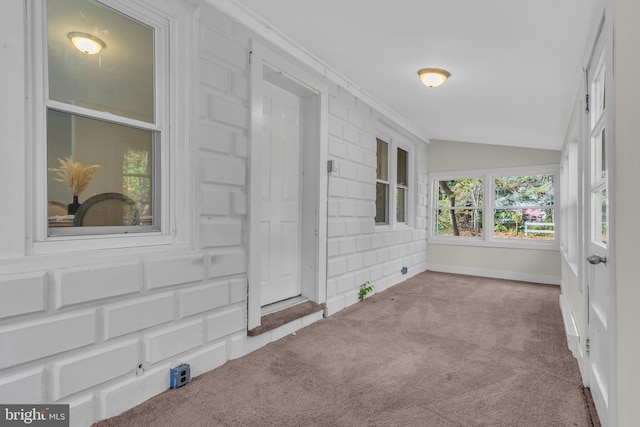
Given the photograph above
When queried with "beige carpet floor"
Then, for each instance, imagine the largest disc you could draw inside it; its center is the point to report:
(436, 350)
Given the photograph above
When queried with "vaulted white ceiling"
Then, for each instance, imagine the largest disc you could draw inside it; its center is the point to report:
(515, 65)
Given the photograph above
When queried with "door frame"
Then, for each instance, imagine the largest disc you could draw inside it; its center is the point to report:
(601, 40)
(266, 62)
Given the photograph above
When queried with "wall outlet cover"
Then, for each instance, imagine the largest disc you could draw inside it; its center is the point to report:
(180, 375)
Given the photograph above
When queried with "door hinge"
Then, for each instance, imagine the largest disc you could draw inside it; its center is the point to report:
(587, 347)
(586, 103)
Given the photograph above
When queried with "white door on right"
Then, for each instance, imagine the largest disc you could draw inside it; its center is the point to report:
(598, 240)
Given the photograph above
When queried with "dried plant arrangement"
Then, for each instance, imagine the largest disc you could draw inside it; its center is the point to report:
(74, 175)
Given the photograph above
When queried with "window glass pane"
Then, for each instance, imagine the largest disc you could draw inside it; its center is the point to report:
(524, 190)
(119, 79)
(382, 155)
(381, 203)
(100, 158)
(460, 192)
(603, 155)
(137, 179)
(459, 222)
(601, 222)
(402, 167)
(401, 205)
(529, 223)
(598, 93)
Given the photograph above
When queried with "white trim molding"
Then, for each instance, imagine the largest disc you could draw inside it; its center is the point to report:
(495, 274)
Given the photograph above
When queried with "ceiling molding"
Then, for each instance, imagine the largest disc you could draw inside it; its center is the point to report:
(256, 24)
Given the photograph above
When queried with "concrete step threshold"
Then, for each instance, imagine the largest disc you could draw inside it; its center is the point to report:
(284, 313)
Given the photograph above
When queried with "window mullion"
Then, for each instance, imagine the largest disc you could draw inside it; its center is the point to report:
(489, 203)
(100, 115)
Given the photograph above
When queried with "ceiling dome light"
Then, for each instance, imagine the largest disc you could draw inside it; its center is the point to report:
(86, 43)
(433, 77)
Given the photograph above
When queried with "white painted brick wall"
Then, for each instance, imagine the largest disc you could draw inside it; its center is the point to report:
(223, 48)
(225, 323)
(208, 358)
(163, 271)
(225, 264)
(203, 298)
(22, 293)
(117, 398)
(96, 367)
(216, 233)
(93, 282)
(214, 138)
(371, 254)
(81, 411)
(223, 170)
(135, 315)
(215, 202)
(237, 291)
(22, 387)
(26, 341)
(172, 341)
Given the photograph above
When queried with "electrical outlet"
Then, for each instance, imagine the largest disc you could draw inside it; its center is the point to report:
(180, 375)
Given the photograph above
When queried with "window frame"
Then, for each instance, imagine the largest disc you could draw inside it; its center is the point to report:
(571, 220)
(488, 177)
(481, 208)
(386, 183)
(393, 145)
(173, 53)
(404, 187)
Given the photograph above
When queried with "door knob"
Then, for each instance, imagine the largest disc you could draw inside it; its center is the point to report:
(596, 259)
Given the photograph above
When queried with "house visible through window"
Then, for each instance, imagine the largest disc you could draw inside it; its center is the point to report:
(103, 129)
(524, 207)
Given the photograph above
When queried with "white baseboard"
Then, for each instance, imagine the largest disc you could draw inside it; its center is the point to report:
(496, 274)
(573, 336)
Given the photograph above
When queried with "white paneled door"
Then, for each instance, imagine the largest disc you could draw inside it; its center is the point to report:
(281, 186)
(598, 271)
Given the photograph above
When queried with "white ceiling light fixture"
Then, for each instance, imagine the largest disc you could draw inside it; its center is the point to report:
(86, 43)
(433, 77)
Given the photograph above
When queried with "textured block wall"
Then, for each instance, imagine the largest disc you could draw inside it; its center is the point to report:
(358, 251)
(101, 331)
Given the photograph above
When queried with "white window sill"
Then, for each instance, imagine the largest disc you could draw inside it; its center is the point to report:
(64, 244)
(494, 243)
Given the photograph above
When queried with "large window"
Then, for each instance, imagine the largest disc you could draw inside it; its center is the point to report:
(392, 183)
(518, 206)
(103, 120)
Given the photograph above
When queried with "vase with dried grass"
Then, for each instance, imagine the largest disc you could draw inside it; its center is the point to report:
(76, 177)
